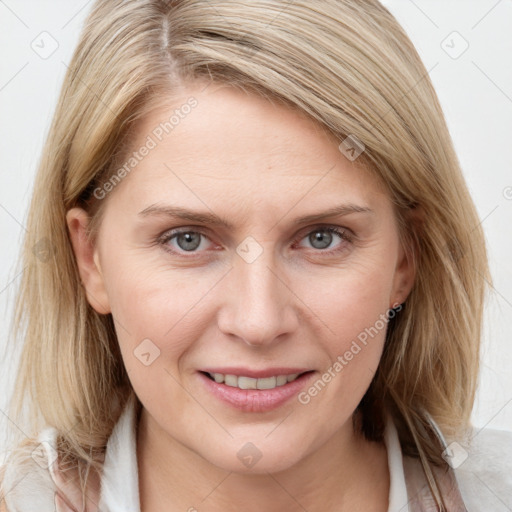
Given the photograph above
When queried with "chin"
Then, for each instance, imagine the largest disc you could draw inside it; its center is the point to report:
(253, 458)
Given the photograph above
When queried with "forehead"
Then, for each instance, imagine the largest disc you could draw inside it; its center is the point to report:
(224, 144)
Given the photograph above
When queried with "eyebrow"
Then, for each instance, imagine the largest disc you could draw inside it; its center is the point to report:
(214, 220)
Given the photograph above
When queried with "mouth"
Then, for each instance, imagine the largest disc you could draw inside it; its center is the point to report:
(253, 393)
(245, 382)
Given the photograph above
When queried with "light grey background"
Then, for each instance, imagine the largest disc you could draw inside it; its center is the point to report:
(474, 87)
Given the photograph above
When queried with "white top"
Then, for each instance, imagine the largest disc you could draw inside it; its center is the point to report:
(398, 501)
(484, 477)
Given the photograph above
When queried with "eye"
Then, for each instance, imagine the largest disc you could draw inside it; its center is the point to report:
(322, 238)
(183, 240)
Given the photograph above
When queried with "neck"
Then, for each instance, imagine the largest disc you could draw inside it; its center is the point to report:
(351, 472)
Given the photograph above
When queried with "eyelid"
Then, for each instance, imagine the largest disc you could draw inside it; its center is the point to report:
(346, 237)
(167, 235)
(345, 234)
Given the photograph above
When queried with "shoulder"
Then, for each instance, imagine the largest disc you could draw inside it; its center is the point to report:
(32, 479)
(483, 468)
(479, 475)
(25, 479)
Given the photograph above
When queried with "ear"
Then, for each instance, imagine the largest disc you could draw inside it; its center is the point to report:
(405, 271)
(87, 260)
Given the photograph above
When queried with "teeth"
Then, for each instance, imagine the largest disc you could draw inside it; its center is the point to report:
(267, 383)
(281, 380)
(246, 383)
(231, 380)
(243, 382)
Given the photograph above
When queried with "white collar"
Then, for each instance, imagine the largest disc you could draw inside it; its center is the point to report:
(398, 499)
(120, 480)
(120, 485)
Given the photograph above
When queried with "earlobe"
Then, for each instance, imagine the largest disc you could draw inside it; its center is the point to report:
(405, 272)
(87, 260)
(404, 279)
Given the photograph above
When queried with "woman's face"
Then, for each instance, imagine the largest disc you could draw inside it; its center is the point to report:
(243, 242)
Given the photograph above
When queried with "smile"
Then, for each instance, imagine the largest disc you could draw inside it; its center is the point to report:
(243, 382)
(256, 394)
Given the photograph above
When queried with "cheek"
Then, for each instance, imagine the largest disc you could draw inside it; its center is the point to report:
(158, 315)
(154, 302)
(349, 300)
(351, 307)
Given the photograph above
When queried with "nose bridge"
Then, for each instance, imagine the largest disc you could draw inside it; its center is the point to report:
(260, 306)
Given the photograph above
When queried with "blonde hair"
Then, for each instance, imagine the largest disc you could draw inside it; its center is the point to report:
(345, 63)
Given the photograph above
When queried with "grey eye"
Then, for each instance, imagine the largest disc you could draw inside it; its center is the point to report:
(188, 241)
(320, 239)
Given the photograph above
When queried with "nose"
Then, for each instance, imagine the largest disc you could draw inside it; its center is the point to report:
(259, 305)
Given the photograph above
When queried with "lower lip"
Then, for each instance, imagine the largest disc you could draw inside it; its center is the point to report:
(256, 400)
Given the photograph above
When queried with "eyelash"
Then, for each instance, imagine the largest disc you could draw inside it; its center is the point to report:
(343, 234)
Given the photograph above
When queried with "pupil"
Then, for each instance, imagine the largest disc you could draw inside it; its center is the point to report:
(320, 239)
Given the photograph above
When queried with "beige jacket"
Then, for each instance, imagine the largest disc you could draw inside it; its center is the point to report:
(481, 482)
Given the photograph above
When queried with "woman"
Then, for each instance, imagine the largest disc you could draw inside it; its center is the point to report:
(265, 275)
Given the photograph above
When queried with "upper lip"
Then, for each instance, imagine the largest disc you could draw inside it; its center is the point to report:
(255, 374)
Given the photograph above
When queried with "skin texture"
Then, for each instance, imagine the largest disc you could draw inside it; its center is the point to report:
(259, 166)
